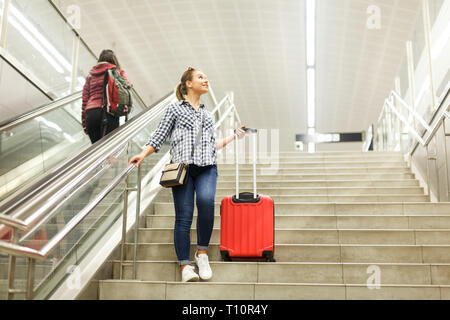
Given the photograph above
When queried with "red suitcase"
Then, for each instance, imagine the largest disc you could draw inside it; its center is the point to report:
(247, 221)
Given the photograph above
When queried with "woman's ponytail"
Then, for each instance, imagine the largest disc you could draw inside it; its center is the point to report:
(181, 89)
(180, 93)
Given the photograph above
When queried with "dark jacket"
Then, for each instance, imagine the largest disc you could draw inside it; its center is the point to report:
(93, 89)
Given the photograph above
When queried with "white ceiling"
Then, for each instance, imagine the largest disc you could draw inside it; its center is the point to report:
(256, 48)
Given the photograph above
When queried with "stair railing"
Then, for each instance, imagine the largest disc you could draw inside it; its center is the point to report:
(388, 140)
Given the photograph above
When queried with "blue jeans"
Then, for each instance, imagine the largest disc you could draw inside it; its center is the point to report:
(202, 181)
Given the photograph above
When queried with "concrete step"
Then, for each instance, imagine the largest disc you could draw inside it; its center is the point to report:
(161, 290)
(264, 183)
(293, 272)
(314, 253)
(301, 164)
(335, 154)
(323, 236)
(283, 171)
(283, 191)
(380, 163)
(347, 191)
(304, 208)
(337, 176)
(329, 198)
(332, 154)
(229, 157)
(330, 222)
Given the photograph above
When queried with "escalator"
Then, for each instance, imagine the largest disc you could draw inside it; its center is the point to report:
(39, 148)
(40, 140)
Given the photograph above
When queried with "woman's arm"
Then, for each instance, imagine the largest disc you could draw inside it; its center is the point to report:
(148, 150)
(154, 144)
(224, 142)
(85, 99)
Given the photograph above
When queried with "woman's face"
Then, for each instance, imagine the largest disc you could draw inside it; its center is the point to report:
(199, 83)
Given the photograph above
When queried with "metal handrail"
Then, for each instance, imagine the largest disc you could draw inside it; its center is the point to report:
(16, 250)
(21, 196)
(41, 110)
(61, 187)
(415, 114)
(402, 119)
(41, 254)
(120, 136)
(56, 104)
(13, 223)
(430, 131)
(438, 122)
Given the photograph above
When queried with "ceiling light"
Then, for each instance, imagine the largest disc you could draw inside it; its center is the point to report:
(29, 26)
(35, 44)
(311, 98)
(310, 32)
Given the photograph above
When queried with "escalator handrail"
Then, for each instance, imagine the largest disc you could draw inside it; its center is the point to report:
(56, 104)
(25, 193)
(40, 111)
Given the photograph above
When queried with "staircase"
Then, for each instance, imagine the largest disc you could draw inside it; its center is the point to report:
(349, 225)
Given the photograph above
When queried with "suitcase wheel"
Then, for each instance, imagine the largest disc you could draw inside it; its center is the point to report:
(268, 255)
(225, 255)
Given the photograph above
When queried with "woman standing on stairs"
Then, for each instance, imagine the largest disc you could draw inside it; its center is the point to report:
(181, 121)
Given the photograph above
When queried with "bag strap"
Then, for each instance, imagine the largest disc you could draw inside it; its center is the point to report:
(199, 135)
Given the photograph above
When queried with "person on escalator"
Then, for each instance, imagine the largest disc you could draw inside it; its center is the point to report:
(182, 120)
(92, 112)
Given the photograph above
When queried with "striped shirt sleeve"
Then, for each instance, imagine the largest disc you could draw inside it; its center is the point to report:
(164, 129)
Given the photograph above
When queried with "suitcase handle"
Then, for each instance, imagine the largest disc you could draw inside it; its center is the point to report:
(254, 131)
(248, 129)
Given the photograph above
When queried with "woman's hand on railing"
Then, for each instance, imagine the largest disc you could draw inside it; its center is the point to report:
(137, 160)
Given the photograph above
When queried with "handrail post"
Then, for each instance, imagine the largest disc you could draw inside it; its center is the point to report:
(398, 124)
(446, 159)
(12, 267)
(428, 173)
(124, 227)
(30, 278)
(138, 213)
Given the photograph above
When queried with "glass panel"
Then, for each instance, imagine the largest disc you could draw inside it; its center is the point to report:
(85, 63)
(440, 45)
(12, 145)
(18, 95)
(80, 240)
(1, 11)
(418, 39)
(404, 78)
(42, 42)
(35, 146)
(435, 8)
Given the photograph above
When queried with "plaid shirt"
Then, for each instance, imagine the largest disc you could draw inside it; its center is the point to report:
(182, 122)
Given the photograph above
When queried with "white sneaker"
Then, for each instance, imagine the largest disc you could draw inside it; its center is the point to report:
(188, 274)
(204, 269)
